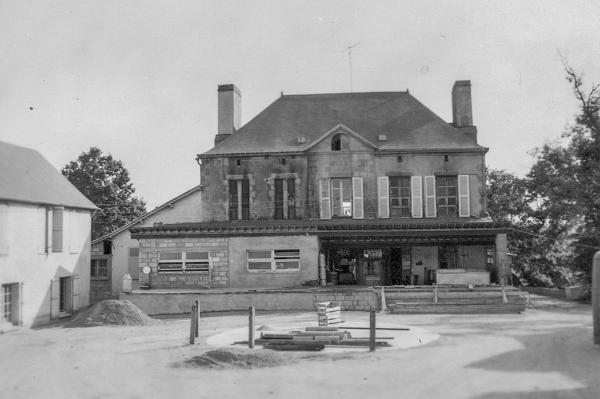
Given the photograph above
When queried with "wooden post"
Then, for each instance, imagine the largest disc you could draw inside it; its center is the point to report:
(596, 297)
(197, 325)
(251, 314)
(193, 324)
(504, 298)
(435, 294)
(372, 330)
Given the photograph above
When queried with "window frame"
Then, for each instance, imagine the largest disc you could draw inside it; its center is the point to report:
(341, 180)
(276, 256)
(184, 260)
(443, 209)
(400, 210)
(95, 267)
(238, 207)
(285, 206)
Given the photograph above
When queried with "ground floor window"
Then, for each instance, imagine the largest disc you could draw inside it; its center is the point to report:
(99, 268)
(273, 260)
(184, 262)
(9, 301)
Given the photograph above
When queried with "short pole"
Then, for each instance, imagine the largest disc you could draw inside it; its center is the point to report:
(596, 297)
(193, 316)
(435, 294)
(197, 326)
(372, 330)
(251, 314)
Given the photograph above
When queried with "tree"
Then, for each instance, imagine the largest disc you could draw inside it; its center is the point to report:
(564, 182)
(105, 181)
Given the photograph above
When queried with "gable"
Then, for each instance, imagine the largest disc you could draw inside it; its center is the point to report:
(340, 137)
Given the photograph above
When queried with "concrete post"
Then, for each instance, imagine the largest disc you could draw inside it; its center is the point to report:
(502, 263)
(372, 330)
(596, 297)
(251, 314)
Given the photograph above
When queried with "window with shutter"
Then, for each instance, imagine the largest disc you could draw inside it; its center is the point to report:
(324, 199)
(400, 196)
(57, 229)
(357, 193)
(341, 197)
(430, 197)
(416, 189)
(446, 196)
(383, 205)
(239, 199)
(464, 199)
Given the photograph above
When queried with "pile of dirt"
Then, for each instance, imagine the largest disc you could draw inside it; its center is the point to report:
(112, 311)
(237, 358)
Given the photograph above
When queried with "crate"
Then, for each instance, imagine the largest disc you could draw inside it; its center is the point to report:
(329, 313)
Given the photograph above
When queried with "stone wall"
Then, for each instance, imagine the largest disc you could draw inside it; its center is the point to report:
(218, 249)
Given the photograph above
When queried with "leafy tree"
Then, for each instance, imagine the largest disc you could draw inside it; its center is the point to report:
(105, 181)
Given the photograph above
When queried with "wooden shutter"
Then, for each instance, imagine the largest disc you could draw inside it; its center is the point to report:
(324, 199)
(57, 229)
(464, 199)
(383, 197)
(358, 211)
(233, 200)
(430, 207)
(76, 292)
(245, 199)
(291, 198)
(278, 198)
(416, 192)
(54, 297)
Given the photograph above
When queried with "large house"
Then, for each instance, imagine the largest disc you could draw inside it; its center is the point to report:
(350, 188)
(45, 228)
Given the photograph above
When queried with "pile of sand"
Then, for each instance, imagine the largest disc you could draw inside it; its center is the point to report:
(237, 358)
(111, 311)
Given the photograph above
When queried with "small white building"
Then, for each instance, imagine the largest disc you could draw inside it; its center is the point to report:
(116, 254)
(45, 231)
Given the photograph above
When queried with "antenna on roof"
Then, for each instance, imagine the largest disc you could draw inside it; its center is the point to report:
(350, 47)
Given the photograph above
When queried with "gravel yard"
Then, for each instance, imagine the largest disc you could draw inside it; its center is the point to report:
(546, 352)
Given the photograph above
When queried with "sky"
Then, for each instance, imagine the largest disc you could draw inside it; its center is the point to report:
(138, 79)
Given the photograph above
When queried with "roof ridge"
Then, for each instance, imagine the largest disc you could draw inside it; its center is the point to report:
(353, 93)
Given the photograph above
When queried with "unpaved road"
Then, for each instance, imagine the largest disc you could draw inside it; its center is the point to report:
(545, 353)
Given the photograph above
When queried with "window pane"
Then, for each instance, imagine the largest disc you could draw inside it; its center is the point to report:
(134, 252)
(196, 255)
(197, 266)
(287, 253)
(259, 265)
(259, 254)
(287, 265)
(169, 256)
(170, 267)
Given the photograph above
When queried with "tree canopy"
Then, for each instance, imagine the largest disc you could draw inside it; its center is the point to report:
(555, 208)
(105, 181)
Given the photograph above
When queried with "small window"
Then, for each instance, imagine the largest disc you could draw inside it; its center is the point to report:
(99, 268)
(282, 161)
(279, 260)
(107, 247)
(184, 262)
(134, 252)
(238, 162)
(339, 142)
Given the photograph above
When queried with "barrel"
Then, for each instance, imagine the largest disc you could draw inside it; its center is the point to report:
(332, 278)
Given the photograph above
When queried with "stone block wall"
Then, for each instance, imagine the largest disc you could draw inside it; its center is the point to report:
(217, 247)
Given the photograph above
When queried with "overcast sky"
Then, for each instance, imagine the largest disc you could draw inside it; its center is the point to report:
(139, 78)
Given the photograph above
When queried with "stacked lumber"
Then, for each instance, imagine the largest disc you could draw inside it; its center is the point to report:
(314, 339)
(329, 313)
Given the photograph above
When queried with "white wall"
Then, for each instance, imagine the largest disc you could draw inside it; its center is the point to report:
(23, 257)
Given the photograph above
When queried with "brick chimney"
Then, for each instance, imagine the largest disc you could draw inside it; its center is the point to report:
(462, 113)
(229, 111)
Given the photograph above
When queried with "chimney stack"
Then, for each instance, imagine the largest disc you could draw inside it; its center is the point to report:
(462, 113)
(229, 111)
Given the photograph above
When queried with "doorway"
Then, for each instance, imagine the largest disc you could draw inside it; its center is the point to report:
(65, 301)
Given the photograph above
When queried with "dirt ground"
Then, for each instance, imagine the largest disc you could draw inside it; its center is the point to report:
(547, 352)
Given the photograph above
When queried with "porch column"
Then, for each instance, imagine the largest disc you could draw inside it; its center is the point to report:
(502, 263)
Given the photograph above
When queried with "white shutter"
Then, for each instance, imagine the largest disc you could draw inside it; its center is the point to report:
(383, 195)
(416, 190)
(324, 199)
(358, 211)
(430, 208)
(464, 199)
(4, 247)
(54, 297)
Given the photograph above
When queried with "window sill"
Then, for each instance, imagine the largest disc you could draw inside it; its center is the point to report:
(273, 271)
(99, 278)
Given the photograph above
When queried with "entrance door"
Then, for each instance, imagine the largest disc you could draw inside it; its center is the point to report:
(65, 301)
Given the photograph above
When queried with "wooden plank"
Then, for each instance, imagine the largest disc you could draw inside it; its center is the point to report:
(378, 328)
(295, 347)
(321, 328)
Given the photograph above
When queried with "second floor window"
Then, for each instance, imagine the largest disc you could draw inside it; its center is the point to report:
(447, 195)
(341, 197)
(285, 198)
(239, 199)
(400, 196)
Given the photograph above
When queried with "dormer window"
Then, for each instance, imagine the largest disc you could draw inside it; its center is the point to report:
(339, 142)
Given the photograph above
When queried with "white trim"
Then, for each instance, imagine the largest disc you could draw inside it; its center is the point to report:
(464, 208)
(358, 210)
(383, 195)
(416, 193)
(324, 198)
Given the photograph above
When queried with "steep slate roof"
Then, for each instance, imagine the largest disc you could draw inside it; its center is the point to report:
(146, 215)
(407, 123)
(26, 176)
